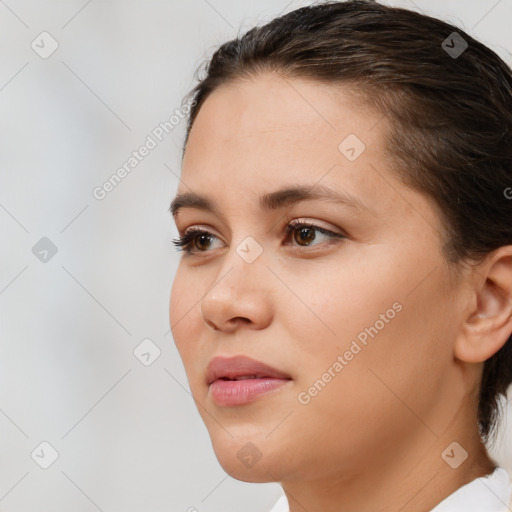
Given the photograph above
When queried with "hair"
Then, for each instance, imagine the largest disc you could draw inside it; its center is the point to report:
(450, 117)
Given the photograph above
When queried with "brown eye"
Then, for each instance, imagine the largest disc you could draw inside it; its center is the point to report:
(201, 241)
(194, 241)
(304, 235)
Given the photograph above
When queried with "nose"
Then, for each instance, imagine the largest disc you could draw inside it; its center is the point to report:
(241, 295)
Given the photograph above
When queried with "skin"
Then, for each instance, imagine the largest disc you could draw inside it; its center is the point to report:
(372, 438)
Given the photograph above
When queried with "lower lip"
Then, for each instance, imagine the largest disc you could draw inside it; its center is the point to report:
(229, 393)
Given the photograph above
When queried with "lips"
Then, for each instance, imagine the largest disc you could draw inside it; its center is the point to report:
(236, 381)
(240, 368)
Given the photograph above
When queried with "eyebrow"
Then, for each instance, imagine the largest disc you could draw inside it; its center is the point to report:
(273, 200)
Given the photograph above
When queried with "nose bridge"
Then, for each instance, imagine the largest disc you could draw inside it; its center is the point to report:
(244, 264)
(249, 250)
(239, 291)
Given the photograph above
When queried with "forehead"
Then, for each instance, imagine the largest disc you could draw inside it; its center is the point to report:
(270, 131)
(271, 108)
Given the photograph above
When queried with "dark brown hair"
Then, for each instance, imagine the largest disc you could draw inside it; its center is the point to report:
(450, 113)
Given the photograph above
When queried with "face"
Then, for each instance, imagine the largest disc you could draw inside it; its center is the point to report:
(352, 304)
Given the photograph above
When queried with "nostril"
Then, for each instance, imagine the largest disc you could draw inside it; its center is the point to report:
(211, 325)
(240, 320)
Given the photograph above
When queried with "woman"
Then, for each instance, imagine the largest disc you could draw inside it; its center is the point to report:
(343, 304)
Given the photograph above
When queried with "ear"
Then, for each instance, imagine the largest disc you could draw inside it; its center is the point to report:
(488, 325)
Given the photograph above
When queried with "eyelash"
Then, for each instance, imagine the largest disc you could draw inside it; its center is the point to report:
(184, 243)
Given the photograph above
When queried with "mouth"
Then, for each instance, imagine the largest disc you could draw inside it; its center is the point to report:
(239, 380)
(240, 368)
(244, 377)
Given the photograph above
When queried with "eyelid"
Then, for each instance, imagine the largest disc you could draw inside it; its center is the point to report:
(189, 236)
(287, 222)
(314, 223)
(198, 227)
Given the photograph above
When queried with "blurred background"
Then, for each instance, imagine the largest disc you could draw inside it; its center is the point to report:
(95, 410)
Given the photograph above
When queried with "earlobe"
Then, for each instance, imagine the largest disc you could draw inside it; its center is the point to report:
(489, 325)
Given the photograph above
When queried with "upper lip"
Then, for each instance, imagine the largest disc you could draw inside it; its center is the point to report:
(240, 366)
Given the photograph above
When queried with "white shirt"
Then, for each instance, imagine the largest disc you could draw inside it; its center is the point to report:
(491, 493)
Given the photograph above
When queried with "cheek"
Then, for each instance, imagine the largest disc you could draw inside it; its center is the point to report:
(392, 335)
(176, 305)
(371, 400)
(340, 299)
(183, 307)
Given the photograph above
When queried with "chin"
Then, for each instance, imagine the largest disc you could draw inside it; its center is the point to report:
(246, 464)
(246, 457)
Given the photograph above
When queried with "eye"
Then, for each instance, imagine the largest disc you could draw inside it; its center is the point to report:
(304, 233)
(193, 237)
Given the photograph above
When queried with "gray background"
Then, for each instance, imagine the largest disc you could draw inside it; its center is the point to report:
(129, 437)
